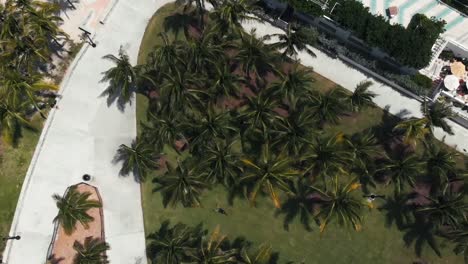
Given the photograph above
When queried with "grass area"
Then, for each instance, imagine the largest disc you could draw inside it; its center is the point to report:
(375, 243)
(14, 163)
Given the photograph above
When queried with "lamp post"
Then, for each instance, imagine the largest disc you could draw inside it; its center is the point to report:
(87, 35)
(11, 237)
(372, 197)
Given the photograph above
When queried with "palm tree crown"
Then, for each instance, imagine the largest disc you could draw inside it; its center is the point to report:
(92, 251)
(295, 41)
(122, 78)
(73, 208)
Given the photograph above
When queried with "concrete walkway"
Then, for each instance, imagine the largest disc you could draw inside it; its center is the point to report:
(80, 137)
(340, 73)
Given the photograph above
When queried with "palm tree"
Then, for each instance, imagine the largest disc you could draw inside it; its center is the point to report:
(16, 88)
(214, 250)
(92, 251)
(174, 245)
(210, 126)
(293, 86)
(413, 130)
(326, 157)
(402, 171)
(139, 158)
(329, 107)
(261, 256)
(45, 23)
(25, 52)
(270, 173)
(122, 79)
(295, 41)
(260, 114)
(10, 18)
(254, 56)
(448, 209)
(224, 83)
(12, 120)
(437, 115)
(73, 208)
(441, 164)
(341, 204)
(167, 56)
(163, 129)
(221, 164)
(230, 15)
(361, 97)
(203, 53)
(180, 185)
(298, 205)
(179, 91)
(363, 146)
(294, 132)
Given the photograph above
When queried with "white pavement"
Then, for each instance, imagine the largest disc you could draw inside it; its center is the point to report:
(80, 137)
(340, 73)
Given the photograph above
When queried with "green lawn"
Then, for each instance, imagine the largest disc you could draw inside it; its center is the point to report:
(14, 163)
(375, 243)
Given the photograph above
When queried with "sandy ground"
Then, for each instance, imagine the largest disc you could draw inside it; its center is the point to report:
(63, 251)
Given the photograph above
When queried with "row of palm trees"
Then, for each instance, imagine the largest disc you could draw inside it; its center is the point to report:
(29, 35)
(73, 209)
(250, 119)
(185, 244)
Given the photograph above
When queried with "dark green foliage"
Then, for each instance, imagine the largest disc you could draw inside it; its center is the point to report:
(422, 80)
(308, 7)
(240, 117)
(185, 244)
(92, 251)
(73, 208)
(410, 46)
(447, 55)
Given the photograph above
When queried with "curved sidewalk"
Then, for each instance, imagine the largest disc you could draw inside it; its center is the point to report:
(342, 74)
(80, 137)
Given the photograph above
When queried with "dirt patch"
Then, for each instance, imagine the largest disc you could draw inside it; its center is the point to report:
(62, 248)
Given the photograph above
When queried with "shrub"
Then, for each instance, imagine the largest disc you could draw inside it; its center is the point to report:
(422, 80)
(307, 7)
(447, 55)
(411, 46)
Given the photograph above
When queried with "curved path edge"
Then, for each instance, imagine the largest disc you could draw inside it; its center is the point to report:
(82, 136)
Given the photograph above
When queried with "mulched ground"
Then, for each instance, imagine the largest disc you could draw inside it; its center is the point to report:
(63, 251)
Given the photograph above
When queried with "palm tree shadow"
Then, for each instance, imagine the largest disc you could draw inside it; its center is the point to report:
(238, 191)
(294, 207)
(421, 233)
(65, 6)
(179, 22)
(55, 260)
(122, 158)
(113, 97)
(398, 211)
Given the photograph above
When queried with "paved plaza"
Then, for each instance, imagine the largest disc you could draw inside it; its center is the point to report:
(457, 25)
